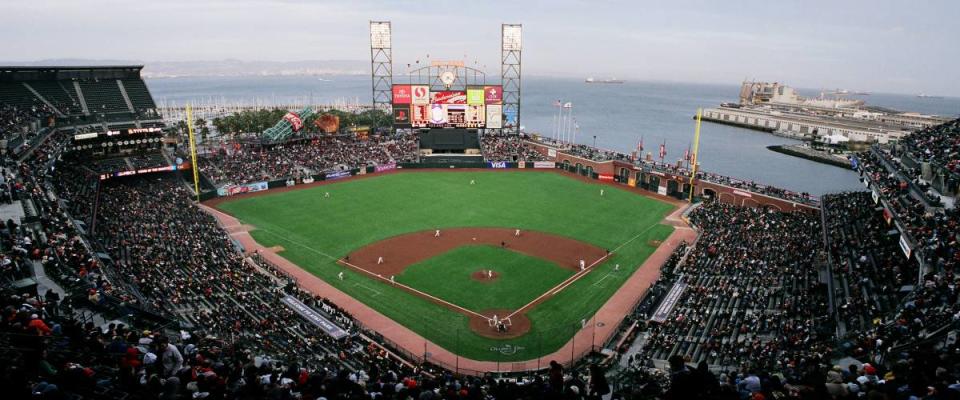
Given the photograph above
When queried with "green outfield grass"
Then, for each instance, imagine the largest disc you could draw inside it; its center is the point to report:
(315, 231)
(521, 278)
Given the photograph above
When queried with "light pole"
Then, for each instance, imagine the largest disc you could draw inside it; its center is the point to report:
(594, 141)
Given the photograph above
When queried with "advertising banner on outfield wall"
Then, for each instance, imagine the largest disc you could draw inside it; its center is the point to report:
(245, 188)
(662, 190)
(521, 164)
(386, 167)
(337, 175)
(314, 317)
(308, 179)
(498, 164)
(401, 94)
(544, 164)
(605, 177)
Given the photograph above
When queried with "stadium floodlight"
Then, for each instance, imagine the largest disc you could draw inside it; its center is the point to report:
(380, 34)
(512, 37)
(510, 54)
(381, 65)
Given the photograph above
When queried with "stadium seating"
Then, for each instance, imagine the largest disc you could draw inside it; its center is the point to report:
(158, 303)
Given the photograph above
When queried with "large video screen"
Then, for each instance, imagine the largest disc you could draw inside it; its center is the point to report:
(416, 106)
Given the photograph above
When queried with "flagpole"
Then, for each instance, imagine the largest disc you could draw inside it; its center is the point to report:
(696, 149)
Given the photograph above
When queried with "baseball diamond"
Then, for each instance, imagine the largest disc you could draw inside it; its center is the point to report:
(409, 245)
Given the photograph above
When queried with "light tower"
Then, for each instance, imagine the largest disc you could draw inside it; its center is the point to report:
(510, 47)
(381, 65)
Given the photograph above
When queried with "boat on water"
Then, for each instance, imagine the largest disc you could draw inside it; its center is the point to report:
(612, 80)
(926, 96)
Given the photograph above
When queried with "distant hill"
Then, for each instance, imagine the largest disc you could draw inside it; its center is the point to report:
(229, 67)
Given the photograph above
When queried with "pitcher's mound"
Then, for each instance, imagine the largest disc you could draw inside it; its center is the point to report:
(519, 325)
(484, 276)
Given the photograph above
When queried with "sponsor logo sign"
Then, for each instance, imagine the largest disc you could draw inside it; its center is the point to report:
(314, 317)
(421, 115)
(875, 196)
(498, 164)
(295, 122)
(887, 216)
(449, 97)
(493, 94)
(507, 349)
(239, 189)
(551, 152)
(337, 175)
(544, 164)
(308, 179)
(668, 303)
(419, 94)
(475, 96)
(605, 177)
(662, 190)
(475, 116)
(742, 193)
(905, 246)
(401, 115)
(494, 116)
(401, 94)
(386, 167)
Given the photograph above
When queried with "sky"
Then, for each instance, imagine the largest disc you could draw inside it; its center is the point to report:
(879, 45)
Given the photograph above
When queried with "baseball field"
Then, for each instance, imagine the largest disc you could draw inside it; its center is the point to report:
(515, 260)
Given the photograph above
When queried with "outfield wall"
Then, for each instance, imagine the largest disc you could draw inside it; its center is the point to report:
(655, 183)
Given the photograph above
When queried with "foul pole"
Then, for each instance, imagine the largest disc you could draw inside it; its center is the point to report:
(193, 152)
(696, 150)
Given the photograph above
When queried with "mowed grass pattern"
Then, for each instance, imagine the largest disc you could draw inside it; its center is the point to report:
(521, 278)
(316, 230)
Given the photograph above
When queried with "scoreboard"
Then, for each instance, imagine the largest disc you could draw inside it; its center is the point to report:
(118, 142)
(416, 106)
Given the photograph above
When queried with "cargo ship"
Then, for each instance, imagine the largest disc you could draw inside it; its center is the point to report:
(613, 80)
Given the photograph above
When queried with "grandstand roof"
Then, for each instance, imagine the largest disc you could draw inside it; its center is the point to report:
(29, 73)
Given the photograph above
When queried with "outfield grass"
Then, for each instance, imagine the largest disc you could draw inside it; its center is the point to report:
(448, 276)
(316, 230)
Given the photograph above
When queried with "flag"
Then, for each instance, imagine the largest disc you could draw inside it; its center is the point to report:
(640, 145)
(557, 104)
(686, 154)
(663, 150)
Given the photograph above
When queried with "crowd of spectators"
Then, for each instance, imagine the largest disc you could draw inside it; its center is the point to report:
(753, 299)
(939, 145)
(870, 272)
(303, 157)
(802, 197)
(14, 120)
(503, 147)
(930, 229)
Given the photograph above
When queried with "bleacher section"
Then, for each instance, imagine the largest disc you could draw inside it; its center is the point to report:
(103, 97)
(103, 92)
